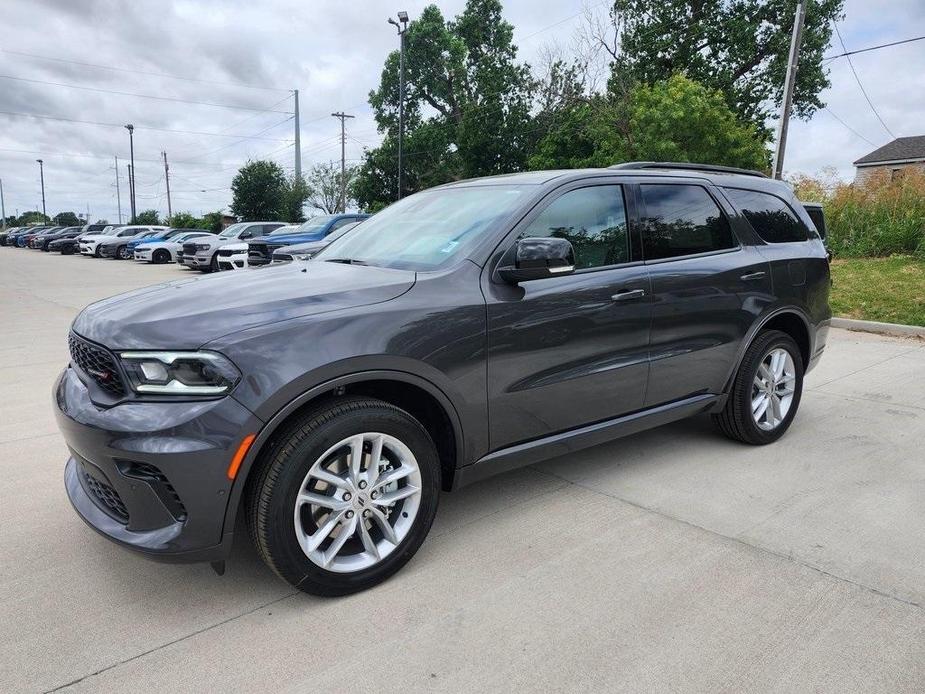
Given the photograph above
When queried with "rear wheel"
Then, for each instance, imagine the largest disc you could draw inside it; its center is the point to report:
(122, 253)
(161, 256)
(766, 392)
(345, 497)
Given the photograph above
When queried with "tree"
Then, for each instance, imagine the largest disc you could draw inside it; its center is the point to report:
(31, 217)
(672, 120)
(101, 221)
(737, 46)
(258, 191)
(184, 220)
(211, 221)
(464, 86)
(323, 187)
(147, 217)
(294, 197)
(66, 219)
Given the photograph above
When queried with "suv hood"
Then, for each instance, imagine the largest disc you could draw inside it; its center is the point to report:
(186, 314)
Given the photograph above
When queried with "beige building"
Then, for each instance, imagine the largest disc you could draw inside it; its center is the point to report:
(892, 158)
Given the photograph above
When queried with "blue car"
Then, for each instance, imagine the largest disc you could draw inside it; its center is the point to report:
(160, 237)
(260, 250)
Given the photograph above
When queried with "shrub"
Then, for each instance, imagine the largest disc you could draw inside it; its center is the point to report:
(880, 218)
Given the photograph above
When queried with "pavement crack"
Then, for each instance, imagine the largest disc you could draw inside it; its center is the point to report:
(740, 541)
(171, 643)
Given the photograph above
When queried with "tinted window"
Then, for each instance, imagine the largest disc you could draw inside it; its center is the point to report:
(593, 220)
(682, 220)
(769, 216)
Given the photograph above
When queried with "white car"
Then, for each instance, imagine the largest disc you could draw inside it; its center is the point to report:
(90, 245)
(165, 251)
(202, 254)
(234, 255)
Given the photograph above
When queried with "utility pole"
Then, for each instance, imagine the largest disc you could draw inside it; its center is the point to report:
(298, 139)
(131, 192)
(343, 162)
(118, 194)
(167, 179)
(2, 206)
(792, 63)
(42, 175)
(402, 28)
(131, 182)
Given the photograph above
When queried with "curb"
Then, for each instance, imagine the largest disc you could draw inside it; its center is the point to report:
(869, 326)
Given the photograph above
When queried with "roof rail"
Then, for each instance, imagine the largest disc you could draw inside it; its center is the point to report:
(687, 166)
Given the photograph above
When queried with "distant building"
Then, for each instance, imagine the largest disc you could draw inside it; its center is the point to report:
(228, 220)
(902, 153)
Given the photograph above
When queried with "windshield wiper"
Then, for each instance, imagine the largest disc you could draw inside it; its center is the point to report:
(346, 261)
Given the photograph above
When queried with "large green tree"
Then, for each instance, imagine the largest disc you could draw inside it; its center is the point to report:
(184, 220)
(672, 120)
(465, 86)
(67, 219)
(737, 46)
(258, 191)
(147, 217)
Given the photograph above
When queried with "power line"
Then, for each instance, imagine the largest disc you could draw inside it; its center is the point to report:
(872, 48)
(137, 127)
(138, 96)
(858, 80)
(830, 112)
(143, 72)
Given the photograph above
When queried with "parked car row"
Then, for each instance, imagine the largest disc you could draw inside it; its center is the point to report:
(242, 245)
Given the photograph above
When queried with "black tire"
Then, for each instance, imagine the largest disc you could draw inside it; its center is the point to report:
(736, 421)
(161, 256)
(213, 266)
(280, 471)
(96, 253)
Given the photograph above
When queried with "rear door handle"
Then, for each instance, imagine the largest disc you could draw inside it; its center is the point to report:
(753, 276)
(629, 295)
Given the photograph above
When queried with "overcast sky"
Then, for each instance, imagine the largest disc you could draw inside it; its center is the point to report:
(333, 53)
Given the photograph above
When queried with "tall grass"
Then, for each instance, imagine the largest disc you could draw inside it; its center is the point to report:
(880, 218)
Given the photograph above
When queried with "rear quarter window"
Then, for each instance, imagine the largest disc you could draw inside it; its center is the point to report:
(682, 220)
(770, 217)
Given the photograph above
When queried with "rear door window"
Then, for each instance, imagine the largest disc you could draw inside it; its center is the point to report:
(682, 220)
(770, 217)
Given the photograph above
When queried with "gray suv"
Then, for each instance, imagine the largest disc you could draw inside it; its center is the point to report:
(463, 331)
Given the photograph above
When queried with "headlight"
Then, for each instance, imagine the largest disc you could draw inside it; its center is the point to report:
(179, 373)
(202, 246)
(303, 256)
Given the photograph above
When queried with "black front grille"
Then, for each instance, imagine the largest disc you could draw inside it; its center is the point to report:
(107, 496)
(97, 363)
(258, 251)
(189, 249)
(227, 252)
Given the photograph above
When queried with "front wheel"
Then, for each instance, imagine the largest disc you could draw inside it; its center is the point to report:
(345, 497)
(161, 256)
(766, 392)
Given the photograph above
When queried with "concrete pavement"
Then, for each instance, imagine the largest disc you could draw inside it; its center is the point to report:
(672, 560)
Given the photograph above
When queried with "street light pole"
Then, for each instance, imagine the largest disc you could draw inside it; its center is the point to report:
(2, 207)
(402, 27)
(131, 148)
(42, 176)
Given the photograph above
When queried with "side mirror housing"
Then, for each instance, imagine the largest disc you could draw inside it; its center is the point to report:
(536, 258)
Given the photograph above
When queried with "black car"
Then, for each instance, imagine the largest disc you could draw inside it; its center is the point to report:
(463, 331)
(305, 251)
(5, 233)
(43, 242)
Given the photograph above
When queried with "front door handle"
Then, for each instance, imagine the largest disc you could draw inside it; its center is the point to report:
(629, 295)
(753, 276)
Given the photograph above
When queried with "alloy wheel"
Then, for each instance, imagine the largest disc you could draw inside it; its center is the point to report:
(773, 388)
(358, 502)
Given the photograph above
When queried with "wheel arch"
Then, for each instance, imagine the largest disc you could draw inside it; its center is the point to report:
(788, 319)
(418, 396)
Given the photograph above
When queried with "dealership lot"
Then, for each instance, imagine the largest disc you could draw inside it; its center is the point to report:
(672, 559)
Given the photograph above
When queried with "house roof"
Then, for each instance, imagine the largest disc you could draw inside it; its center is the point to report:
(900, 149)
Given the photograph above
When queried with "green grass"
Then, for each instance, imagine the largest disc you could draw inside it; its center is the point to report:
(891, 289)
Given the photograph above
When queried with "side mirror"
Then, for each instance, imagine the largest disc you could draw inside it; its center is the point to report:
(246, 235)
(535, 259)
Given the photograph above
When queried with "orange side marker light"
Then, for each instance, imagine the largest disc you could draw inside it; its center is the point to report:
(239, 455)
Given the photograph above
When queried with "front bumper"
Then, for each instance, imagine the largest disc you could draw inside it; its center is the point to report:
(143, 255)
(200, 260)
(151, 476)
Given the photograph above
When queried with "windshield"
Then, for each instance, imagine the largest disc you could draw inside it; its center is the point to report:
(232, 231)
(427, 230)
(288, 229)
(315, 224)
